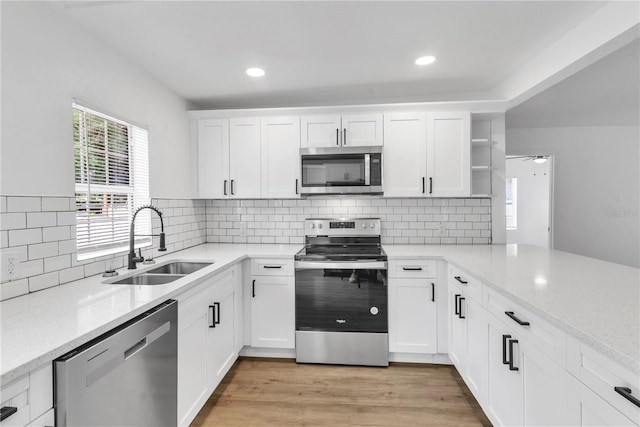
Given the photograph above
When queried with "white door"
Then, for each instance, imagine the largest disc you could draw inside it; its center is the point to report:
(449, 154)
(528, 201)
(548, 398)
(280, 157)
(273, 312)
(213, 158)
(320, 131)
(457, 331)
(405, 154)
(504, 397)
(244, 158)
(477, 339)
(362, 130)
(413, 320)
(221, 336)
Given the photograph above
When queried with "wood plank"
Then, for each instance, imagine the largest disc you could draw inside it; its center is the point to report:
(279, 392)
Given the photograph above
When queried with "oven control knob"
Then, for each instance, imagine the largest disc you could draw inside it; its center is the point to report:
(373, 310)
(371, 225)
(313, 225)
(364, 225)
(319, 225)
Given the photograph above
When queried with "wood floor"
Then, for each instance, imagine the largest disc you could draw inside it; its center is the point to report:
(279, 392)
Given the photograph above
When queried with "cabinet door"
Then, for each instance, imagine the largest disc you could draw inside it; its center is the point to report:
(280, 157)
(362, 130)
(273, 312)
(244, 158)
(449, 154)
(213, 158)
(548, 398)
(193, 388)
(457, 332)
(412, 315)
(320, 131)
(477, 338)
(221, 332)
(405, 154)
(595, 411)
(504, 395)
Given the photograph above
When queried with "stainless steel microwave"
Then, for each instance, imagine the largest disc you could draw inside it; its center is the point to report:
(341, 170)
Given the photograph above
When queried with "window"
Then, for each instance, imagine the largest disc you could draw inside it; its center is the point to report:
(111, 181)
(512, 203)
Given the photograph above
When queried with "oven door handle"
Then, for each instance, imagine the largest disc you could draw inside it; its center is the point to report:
(361, 265)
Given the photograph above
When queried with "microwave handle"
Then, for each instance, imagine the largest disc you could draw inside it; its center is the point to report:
(367, 169)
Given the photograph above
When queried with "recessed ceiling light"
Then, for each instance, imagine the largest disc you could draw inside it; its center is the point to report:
(425, 60)
(255, 72)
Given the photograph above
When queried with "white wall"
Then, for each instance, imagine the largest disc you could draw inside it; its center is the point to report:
(47, 63)
(532, 201)
(596, 187)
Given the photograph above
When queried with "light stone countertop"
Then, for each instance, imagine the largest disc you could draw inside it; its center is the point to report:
(597, 301)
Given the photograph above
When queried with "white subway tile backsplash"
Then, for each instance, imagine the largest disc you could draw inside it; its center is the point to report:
(54, 234)
(41, 219)
(43, 250)
(11, 221)
(25, 237)
(55, 204)
(43, 281)
(23, 204)
(14, 289)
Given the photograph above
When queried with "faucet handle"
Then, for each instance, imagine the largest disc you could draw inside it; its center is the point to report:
(140, 257)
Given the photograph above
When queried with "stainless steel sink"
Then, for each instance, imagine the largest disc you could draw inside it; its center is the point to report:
(179, 267)
(149, 279)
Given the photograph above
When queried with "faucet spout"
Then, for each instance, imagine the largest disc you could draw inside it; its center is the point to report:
(132, 258)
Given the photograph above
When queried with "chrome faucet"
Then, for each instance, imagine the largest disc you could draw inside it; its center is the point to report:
(132, 258)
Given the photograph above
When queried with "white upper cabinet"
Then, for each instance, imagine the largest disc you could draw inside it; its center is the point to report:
(449, 154)
(341, 131)
(405, 154)
(244, 158)
(213, 157)
(280, 157)
(362, 130)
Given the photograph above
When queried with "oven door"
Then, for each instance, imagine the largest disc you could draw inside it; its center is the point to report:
(341, 296)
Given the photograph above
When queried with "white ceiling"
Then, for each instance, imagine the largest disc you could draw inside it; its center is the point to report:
(328, 52)
(607, 93)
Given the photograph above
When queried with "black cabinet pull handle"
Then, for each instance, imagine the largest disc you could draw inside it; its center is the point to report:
(430, 185)
(505, 359)
(272, 266)
(212, 311)
(225, 187)
(232, 188)
(337, 136)
(412, 268)
(460, 315)
(433, 292)
(217, 321)
(460, 280)
(512, 367)
(296, 185)
(253, 289)
(344, 138)
(626, 393)
(7, 411)
(457, 310)
(423, 185)
(518, 321)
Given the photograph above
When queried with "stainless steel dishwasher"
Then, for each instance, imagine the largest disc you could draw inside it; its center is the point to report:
(125, 377)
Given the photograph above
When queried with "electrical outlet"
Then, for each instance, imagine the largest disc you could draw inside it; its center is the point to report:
(10, 266)
(441, 230)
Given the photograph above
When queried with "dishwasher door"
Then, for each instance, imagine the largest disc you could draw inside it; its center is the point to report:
(126, 377)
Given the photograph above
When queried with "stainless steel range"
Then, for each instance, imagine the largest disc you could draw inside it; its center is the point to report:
(341, 294)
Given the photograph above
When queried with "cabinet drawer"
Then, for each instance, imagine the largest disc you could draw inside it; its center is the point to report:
(471, 285)
(602, 375)
(46, 420)
(418, 269)
(41, 390)
(271, 267)
(544, 336)
(16, 395)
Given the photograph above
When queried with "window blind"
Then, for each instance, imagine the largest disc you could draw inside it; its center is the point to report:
(111, 181)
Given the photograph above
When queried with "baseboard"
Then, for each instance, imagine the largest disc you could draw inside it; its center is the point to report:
(438, 359)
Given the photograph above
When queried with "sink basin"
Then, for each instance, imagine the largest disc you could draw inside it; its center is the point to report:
(149, 279)
(179, 267)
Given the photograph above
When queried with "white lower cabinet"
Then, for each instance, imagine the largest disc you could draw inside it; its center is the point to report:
(31, 395)
(207, 322)
(593, 410)
(525, 386)
(412, 315)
